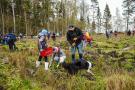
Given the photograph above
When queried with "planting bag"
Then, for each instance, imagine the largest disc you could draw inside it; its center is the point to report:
(46, 52)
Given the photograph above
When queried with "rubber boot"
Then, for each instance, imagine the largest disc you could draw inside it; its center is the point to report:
(35, 70)
(46, 65)
(37, 64)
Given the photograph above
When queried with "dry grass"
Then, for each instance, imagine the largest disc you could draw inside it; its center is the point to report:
(108, 76)
(120, 82)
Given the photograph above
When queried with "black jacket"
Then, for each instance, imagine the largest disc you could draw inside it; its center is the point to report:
(76, 33)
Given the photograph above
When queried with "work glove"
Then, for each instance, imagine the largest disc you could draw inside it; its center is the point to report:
(73, 44)
(58, 65)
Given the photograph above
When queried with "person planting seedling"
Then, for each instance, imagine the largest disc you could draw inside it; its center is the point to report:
(58, 55)
(74, 37)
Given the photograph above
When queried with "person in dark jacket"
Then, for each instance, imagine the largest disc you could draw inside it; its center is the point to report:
(115, 33)
(11, 39)
(129, 33)
(74, 37)
(53, 36)
(107, 34)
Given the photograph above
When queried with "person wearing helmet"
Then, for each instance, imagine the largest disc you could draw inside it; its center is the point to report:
(75, 37)
(42, 44)
(59, 56)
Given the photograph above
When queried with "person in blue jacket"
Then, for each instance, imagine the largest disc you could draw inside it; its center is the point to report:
(42, 44)
(11, 39)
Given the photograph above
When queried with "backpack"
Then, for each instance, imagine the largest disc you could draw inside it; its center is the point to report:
(10, 37)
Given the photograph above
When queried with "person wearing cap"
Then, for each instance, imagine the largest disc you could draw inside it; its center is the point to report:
(42, 44)
(58, 55)
(75, 37)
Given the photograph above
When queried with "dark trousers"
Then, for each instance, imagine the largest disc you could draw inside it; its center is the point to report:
(40, 58)
(11, 45)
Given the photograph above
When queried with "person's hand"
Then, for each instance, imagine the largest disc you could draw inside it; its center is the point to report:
(73, 44)
(57, 66)
(75, 39)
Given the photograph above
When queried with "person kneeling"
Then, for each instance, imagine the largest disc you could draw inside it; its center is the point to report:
(58, 56)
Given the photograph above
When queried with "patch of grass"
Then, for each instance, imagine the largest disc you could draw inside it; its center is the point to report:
(109, 62)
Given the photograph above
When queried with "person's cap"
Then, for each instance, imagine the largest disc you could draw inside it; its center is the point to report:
(70, 27)
(44, 31)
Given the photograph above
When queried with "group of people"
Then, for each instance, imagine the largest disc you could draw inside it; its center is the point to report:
(128, 33)
(76, 39)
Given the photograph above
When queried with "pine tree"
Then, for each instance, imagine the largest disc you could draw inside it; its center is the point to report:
(26, 7)
(94, 7)
(3, 6)
(99, 20)
(83, 14)
(107, 17)
(133, 5)
(118, 21)
(128, 10)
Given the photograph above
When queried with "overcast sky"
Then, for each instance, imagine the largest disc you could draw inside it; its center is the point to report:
(113, 4)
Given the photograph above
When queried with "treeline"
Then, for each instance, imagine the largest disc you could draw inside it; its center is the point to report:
(29, 16)
(32, 15)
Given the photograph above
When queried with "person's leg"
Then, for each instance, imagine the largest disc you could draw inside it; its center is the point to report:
(14, 46)
(90, 43)
(73, 50)
(39, 61)
(80, 51)
(10, 44)
(57, 59)
(46, 63)
(84, 43)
